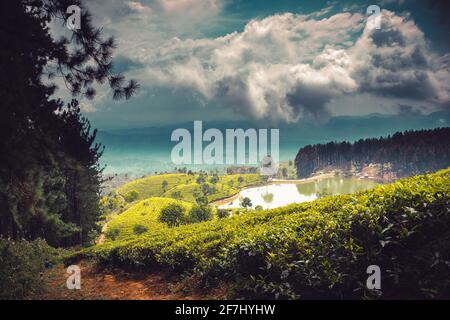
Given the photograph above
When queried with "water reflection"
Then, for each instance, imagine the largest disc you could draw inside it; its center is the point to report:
(277, 195)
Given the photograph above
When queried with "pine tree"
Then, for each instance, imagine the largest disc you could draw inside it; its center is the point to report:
(49, 172)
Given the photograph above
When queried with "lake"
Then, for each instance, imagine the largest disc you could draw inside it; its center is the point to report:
(281, 194)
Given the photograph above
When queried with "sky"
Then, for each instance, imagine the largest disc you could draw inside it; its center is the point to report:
(274, 61)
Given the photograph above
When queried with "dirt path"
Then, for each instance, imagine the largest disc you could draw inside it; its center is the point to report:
(101, 239)
(119, 285)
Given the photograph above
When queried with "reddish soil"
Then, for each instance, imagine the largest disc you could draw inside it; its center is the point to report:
(117, 284)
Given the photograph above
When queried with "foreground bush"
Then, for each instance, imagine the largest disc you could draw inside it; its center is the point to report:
(319, 249)
(21, 265)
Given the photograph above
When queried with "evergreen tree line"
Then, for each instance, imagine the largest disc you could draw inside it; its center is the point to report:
(49, 172)
(407, 153)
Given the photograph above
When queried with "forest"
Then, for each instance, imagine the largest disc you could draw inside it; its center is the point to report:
(49, 172)
(405, 153)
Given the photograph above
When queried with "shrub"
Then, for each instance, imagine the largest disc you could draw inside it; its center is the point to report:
(164, 185)
(201, 178)
(112, 233)
(246, 202)
(145, 213)
(176, 195)
(21, 266)
(259, 208)
(172, 215)
(214, 179)
(200, 213)
(201, 200)
(139, 229)
(131, 196)
(223, 213)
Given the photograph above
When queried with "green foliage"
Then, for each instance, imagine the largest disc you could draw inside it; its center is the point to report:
(201, 178)
(259, 208)
(111, 203)
(189, 187)
(145, 213)
(200, 213)
(151, 186)
(176, 195)
(405, 153)
(246, 202)
(172, 215)
(223, 213)
(112, 233)
(21, 266)
(214, 179)
(201, 200)
(164, 185)
(131, 196)
(49, 171)
(139, 229)
(318, 249)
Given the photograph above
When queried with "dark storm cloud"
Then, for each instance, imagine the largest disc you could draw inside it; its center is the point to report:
(406, 110)
(310, 101)
(287, 66)
(399, 63)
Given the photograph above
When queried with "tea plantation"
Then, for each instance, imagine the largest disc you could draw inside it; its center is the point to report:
(184, 186)
(319, 249)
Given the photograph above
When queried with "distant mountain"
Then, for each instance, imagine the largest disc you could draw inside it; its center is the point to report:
(142, 150)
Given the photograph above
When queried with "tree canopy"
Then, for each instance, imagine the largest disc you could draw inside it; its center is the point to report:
(49, 172)
(408, 153)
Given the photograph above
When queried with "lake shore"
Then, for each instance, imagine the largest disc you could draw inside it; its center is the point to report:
(223, 201)
(305, 180)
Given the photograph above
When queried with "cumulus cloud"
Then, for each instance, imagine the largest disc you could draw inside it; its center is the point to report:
(396, 61)
(271, 70)
(286, 66)
(190, 7)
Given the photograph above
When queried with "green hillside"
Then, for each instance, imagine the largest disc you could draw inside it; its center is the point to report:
(144, 213)
(187, 185)
(151, 186)
(315, 249)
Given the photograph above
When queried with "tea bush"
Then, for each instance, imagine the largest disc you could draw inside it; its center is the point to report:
(145, 213)
(200, 213)
(139, 229)
(21, 265)
(131, 196)
(223, 213)
(183, 186)
(319, 249)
